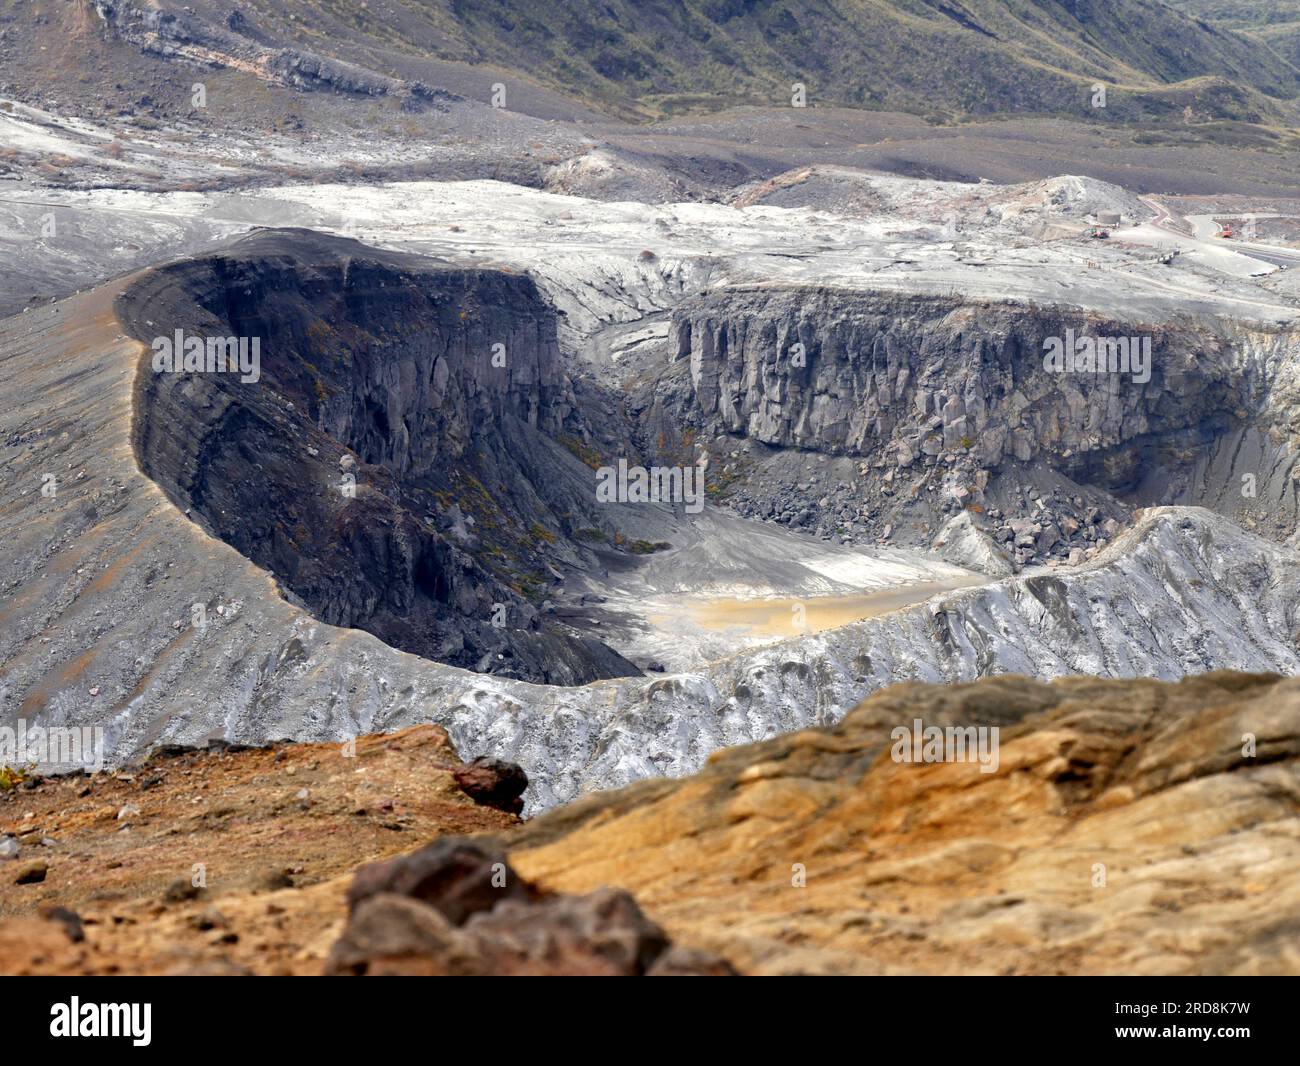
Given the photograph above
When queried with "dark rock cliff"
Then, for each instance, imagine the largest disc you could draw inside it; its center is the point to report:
(917, 375)
(394, 464)
(934, 404)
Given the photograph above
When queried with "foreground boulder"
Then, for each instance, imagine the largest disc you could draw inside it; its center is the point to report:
(456, 908)
(493, 783)
(455, 876)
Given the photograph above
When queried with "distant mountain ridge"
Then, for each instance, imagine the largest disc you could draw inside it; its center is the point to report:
(1274, 22)
(649, 58)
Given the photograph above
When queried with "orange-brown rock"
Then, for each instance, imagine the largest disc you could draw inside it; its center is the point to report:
(1130, 827)
(273, 835)
(1125, 831)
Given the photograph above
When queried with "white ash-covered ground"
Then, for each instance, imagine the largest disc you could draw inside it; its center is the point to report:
(1183, 591)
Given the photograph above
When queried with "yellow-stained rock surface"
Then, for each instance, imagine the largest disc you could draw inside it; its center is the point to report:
(1124, 832)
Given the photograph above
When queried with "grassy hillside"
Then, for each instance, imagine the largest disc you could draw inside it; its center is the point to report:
(1274, 22)
(651, 57)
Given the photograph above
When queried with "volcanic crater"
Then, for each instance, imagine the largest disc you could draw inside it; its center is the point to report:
(397, 465)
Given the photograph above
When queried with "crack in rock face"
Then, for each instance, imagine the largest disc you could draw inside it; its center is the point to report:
(391, 457)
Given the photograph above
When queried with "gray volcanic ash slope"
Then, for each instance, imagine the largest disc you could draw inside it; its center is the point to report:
(100, 579)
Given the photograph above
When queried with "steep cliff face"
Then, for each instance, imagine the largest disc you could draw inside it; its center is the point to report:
(100, 579)
(911, 376)
(942, 392)
(391, 463)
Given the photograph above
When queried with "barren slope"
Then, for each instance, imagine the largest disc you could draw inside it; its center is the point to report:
(272, 834)
(1125, 830)
(1002, 55)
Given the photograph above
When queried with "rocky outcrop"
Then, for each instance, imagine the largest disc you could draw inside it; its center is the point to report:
(453, 875)
(180, 34)
(1079, 827)
(948, 405)
(1130, 827)
(493, 783)
(459, 909)
(600, 934)
(963, 543)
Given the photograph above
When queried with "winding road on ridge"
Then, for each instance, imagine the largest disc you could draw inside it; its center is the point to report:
(1169, 222)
